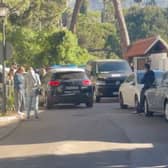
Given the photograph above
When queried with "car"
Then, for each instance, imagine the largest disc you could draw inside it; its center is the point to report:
(129, 92)
(107, 76)
(69, 85)
(156, 98)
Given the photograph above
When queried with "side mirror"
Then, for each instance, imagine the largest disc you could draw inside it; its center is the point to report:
(154, 85)
(132, 83)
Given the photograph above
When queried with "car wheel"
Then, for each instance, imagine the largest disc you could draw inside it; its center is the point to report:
(137, 105)
(121, 100)
(89, 104)
(98, 99)
(166, 110)
(146, 109)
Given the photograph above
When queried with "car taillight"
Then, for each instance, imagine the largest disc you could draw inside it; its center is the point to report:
(86, 82)
(54, 83)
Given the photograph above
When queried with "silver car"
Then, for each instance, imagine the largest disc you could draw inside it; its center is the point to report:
(156, 98)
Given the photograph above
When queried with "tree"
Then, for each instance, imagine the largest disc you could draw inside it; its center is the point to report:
(124, 36)
(84, 7)
(151, 2)
(145, 22)
(75, 15)
(108, 12)
(38, 14)
(95, 35)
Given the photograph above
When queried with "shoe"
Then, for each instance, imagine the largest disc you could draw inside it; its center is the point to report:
(36, 117)
(28, 118)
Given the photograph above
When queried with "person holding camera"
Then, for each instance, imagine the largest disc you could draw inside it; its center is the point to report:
(32, 84)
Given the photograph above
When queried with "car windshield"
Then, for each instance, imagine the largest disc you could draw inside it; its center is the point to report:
(68, 75)
(158, 77)
(113, 66)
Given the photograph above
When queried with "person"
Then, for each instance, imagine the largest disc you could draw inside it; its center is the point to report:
(14, 66)
(19, 92)
(148, 80)
(42, 73)
(32, 84)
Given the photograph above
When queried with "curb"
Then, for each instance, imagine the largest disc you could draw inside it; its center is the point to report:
(8, 125)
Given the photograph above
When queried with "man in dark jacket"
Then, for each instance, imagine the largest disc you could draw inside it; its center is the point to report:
(147, 80)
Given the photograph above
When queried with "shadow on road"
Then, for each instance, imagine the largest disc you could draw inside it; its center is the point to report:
(78, 137)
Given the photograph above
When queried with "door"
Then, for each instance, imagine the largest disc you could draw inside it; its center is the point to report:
(161, 93)
(128, 90)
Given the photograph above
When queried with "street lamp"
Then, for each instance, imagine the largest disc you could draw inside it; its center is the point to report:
(3, 13)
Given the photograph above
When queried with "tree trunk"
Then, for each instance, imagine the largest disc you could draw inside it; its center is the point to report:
(75, 15)
(124, 36)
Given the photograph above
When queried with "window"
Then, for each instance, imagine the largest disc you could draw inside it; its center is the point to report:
(130, 78)
(113, 66)
(68, 75)
(165, 79)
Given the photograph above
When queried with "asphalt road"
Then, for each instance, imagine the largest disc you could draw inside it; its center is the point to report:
(101, 137)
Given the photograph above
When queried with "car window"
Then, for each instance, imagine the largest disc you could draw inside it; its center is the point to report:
(158, 77)
(68, 75)
(113, 66)
(130, 78)
(140, 75)
(165, 79)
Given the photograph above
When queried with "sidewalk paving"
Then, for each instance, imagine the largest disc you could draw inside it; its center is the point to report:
(8, 124)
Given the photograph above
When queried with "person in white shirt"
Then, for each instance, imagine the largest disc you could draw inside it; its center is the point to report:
(32, 83)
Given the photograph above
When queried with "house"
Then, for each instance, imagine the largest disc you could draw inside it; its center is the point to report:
(153, 50)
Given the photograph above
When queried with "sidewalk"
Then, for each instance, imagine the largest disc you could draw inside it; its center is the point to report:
(8, 124)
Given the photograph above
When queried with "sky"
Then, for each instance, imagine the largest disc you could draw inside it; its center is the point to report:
(97, 4)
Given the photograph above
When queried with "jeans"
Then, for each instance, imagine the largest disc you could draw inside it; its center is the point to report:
(33, 103)
(142, 99)
(19, 100)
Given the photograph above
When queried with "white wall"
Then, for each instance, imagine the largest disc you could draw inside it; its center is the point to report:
(159, 61)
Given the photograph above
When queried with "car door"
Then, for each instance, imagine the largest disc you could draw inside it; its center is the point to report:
(160, 94)
(151, 98)
(128, 88)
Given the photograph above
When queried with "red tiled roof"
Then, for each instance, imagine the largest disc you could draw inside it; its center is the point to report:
(140, 47)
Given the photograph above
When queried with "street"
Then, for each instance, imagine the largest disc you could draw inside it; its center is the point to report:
(77, 137)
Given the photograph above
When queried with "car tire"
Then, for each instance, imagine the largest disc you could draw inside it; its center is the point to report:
(98, 99)
(166, 110)
(137, 105)
(121, 100)
(146, 109)
(89, 104)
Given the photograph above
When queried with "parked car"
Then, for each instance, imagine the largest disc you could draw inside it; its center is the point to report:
(129, 92)
(107, 76)
(67, 86)
(156, 98)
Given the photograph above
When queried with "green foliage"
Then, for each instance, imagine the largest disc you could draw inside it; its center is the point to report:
(64, 49)
(84, 7)
(36, 14)
(93, 34)
(25, 46)
(46, 48)
(148, 21)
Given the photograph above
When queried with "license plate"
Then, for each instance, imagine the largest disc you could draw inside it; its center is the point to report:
(71, 92)
(115, 93)
(71, 87)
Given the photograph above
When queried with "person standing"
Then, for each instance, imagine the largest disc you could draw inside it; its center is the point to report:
(19, 91)
(147, 80)
(32, 84)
